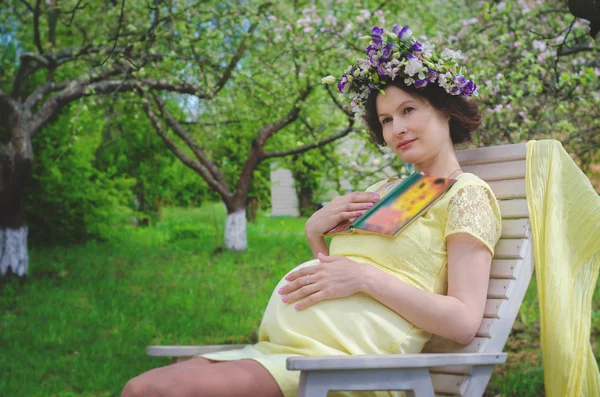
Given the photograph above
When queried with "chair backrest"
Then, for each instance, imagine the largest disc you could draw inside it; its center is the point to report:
(503, 168)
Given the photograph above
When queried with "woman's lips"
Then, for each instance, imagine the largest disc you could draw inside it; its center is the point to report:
(405, 144)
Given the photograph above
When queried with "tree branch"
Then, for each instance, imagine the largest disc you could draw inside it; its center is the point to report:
(191, 143)
(76, 89)
(337, 103)
(194, 165)
(36, 27)
(117, 36)
(573, 50)
(268, 131)
(73, 11)
(256, 154)
(7, 101)
(93, 75)
(304, 148)
(233, 62)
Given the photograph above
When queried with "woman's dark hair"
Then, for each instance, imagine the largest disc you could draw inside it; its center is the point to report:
(464, 115)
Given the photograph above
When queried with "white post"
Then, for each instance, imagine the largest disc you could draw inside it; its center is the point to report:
(13, 250)
(236, 238)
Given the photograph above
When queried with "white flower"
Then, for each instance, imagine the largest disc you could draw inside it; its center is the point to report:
(451, 55)
(407, 35)
(414, 66)
(428, 49)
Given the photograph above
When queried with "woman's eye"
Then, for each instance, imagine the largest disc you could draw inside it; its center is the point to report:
(386, 120)
(408, 110)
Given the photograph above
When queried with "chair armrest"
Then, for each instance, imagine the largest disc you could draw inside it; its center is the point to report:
(422, 360)
(188, 351)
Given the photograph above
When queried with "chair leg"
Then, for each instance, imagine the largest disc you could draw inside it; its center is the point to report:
(416, 381)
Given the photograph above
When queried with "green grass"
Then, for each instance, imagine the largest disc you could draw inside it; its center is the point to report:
(79, 324)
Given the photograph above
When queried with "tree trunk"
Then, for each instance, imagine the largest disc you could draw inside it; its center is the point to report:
(305, 201)
(15, 176)
(252, 209)
(235, 230)
(590, 10)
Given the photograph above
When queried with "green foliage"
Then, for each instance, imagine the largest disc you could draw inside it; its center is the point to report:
(130, 148)
(70, 200)
(79, 324)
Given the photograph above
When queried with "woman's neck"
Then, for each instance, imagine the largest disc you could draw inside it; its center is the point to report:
(441, 165)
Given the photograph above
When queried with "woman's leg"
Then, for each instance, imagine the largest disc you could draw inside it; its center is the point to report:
(202, 378)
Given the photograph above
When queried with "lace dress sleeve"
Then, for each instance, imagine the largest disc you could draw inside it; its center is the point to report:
(474, 210)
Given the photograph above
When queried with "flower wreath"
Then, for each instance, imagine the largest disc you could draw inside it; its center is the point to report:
(401, 55)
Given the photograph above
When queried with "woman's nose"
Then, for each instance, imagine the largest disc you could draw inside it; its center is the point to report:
(398, 128)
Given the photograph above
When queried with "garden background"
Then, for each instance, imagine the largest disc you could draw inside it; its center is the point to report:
(135, 135)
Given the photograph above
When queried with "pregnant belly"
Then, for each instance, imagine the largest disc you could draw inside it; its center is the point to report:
(357, 324)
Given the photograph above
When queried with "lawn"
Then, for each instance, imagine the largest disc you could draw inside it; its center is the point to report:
(79, 324)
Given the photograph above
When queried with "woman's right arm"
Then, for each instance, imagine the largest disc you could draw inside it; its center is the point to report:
(317, 244)
(337, 210)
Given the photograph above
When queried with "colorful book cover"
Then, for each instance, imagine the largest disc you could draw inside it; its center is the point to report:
(402, 201)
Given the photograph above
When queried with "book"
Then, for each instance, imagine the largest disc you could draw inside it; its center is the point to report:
(401, 202)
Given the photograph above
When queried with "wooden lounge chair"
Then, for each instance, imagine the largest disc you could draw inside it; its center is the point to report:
(443, 368)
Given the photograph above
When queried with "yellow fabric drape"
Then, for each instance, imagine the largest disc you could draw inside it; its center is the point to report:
(564, 212)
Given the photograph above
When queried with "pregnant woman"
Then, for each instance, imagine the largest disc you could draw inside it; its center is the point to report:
(371, 294)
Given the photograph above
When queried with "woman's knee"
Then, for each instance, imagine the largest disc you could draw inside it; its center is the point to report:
(134, 388)
(145, 387)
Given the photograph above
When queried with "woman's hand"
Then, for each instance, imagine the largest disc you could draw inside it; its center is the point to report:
(335, 277)
(339, 209)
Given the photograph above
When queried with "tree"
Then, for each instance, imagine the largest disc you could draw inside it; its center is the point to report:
(176, 47)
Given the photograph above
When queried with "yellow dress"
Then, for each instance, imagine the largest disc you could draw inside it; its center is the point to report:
(359, 324)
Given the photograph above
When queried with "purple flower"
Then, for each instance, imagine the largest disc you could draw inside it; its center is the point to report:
(371, 50)
(376, 43)
(396, 30)
(461, 81)
(469, 88)
(342, 85)
(410, 56)
(421, 83)
(454, 91)
(431, 75)
(376, 33)
(381, 71)
(417, 47)
(386, 52)
(404, 33)
(373, 59)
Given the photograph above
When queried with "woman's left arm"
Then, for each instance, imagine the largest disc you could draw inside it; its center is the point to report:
(455, 316)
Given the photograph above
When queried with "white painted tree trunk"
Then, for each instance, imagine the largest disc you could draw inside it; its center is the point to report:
(236, 238)
(13, 250)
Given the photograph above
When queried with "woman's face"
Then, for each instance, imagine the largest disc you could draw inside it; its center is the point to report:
(414, 129)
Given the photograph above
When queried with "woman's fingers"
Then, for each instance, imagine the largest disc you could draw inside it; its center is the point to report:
(311, 300)
(363, 197)
(305, 271)
(300, 293)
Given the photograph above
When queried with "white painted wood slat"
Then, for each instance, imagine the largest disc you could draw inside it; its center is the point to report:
(516, 208)
(452, 384)
(515, 228)
(500, 289)
(505, 268)
(494, 308)
(492, 154)
(437, 344)
(485, 329)
(498, 171)
(509, 189)
(453, 370)
(510, 249)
